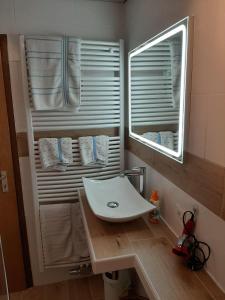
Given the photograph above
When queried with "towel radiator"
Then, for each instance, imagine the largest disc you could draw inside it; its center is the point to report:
(102, 109)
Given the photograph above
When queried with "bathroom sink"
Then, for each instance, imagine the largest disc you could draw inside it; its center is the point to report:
(115, 199)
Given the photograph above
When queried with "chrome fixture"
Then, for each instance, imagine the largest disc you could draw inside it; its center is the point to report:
(134, 174)
(113, 204)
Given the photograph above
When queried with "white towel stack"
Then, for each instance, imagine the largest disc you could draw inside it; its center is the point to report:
(94, 150)
(55, 154)
(63, 236)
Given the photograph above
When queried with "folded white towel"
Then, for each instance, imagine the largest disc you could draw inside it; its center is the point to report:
(152, 136)
(94, 150)
(63, 236)
(55, 154)
(167, 139)
(53, 64)
(164, 138)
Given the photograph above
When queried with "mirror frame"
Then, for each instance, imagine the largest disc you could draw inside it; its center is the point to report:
(184, 26)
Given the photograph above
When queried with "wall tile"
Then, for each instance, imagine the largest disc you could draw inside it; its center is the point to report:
(215, 136)
(197, 126)
(208, 47)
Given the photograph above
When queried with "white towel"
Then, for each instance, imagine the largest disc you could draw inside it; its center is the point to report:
(176, 47)
(152, 136)
(80, 247)
(56, 231)
(164, 138)
(94, 150)
(53, 64)
(55, 154)
(63, 236)
(167, 139)
(74, 73)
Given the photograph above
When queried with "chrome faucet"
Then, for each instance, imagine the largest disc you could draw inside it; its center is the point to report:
(137, 172)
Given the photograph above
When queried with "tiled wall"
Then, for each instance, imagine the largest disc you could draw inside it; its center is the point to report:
(207, 122)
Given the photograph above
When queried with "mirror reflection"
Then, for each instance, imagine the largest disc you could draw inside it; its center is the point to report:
(156, 91)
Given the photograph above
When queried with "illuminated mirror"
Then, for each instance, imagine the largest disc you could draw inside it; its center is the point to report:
(158, 90)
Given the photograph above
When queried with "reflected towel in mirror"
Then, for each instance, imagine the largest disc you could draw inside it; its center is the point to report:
(164, 138)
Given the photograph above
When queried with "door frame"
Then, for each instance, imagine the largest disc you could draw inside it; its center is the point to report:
(15, 159)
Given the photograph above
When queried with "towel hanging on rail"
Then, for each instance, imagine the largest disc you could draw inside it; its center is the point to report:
(55, 154)
(63, 236)
(53, 65)
(73, 61)
(94, 150)
(56, 230)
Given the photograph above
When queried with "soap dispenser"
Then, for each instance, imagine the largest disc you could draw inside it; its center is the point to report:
(154, 215)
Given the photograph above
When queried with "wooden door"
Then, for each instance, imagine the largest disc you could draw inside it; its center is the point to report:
(9, 221)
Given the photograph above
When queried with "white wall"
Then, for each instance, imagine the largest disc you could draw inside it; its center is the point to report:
(207, 123)
(146, 18)
(80, 18)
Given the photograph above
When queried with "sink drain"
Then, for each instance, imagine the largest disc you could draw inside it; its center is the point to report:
(112, 204)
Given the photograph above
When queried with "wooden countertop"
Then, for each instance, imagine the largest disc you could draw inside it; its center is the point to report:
(115, 246)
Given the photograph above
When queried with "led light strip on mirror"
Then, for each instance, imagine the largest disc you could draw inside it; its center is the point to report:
(182, 28)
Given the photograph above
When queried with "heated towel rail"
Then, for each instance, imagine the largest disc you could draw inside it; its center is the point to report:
(101, 108)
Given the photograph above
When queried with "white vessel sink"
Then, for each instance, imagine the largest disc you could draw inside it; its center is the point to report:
(115, 200)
